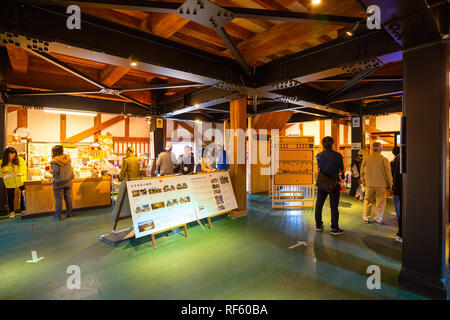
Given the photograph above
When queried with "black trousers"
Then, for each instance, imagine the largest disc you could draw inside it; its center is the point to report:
(10, 193)
(334, 203)
(400, 231)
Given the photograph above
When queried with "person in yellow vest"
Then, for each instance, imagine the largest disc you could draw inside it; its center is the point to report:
(13, 170)
(131, 168)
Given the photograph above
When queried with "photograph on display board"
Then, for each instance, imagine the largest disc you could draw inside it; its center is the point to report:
(224, 179)
(135, 193)
(216, 186)
(216, 191)
(173, 202)
(219, 199)
(214, 180)
(186, 199)
(143, 192)
(221, 207)
(158, 205)
(168, 188)
(146, 225)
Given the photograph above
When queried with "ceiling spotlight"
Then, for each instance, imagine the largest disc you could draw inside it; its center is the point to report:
(315, 2)
(133, 61)
(349, 33)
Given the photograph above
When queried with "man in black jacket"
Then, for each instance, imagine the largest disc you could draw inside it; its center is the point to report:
(185, 163)
(331, 164)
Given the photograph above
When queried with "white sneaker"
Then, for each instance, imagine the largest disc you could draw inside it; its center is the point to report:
(398, 239)
(12, 214)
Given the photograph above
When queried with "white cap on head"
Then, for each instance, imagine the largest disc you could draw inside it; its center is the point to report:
(168, 146)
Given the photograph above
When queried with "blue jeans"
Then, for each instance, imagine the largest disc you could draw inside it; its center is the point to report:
(396, 199)
(61, 192)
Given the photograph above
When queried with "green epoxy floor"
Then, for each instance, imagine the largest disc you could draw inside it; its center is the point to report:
(247, 258)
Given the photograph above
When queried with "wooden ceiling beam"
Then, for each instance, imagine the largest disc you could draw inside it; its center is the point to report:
(18, 58)
(166, 25)
(91, 131)
(111, 74)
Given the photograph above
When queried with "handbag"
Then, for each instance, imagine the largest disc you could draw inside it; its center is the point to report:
(326, 183)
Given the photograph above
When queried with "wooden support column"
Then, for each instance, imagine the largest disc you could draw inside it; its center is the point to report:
(300, 125)
(358, 140)
(322, 130)
(97, 122)
(335, 133)
(238, 120)
(22, 117)
(372, 124)
(426, 181)
(127, 127)
(345, 133)
(62, 127)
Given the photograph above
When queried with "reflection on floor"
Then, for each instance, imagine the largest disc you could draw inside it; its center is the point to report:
(246, 258)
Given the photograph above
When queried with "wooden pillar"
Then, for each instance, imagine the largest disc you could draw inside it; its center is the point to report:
(62, 127)
(22, 117)
(426, 181)
(238, 120)
(322, 130)
(345, 133)
(97, 122)
(127, 127)
(335, 133)
(300, 125)
(372, 125)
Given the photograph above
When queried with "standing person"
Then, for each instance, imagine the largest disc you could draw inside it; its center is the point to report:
(356, 174)
(397, 192)
(131, 168)
(13, 169)
(396, 196)
(164, 164)
(186, 161)
(222, 161)
(62, 181)
(376, 178)
(206, 161)
(331, 165)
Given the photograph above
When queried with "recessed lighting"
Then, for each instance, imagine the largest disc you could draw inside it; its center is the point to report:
(315, 2)
(133, 63)
(349, 33)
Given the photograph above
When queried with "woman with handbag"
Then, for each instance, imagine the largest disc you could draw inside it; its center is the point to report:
(13, 170)
(330, 165)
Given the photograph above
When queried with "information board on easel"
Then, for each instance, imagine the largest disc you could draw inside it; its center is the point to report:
(159, 204)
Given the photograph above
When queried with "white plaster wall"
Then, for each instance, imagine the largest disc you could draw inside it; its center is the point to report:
(11, 122)
(116, 130)
(77, 124)
(139, 128)
(44, 127)
(389, 123)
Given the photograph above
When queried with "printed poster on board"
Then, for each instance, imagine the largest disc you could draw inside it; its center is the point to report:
(159, 204)
(212, 193)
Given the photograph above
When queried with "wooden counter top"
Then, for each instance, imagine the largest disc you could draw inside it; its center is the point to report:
(34, 182)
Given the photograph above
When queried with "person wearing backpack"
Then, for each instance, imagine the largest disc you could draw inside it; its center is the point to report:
(61, 169)
(331, 166)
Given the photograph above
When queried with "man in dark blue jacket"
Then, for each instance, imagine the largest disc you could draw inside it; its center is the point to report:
(331, 164)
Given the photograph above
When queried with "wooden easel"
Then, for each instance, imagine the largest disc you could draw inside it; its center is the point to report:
(215, 215)
(173, 228)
